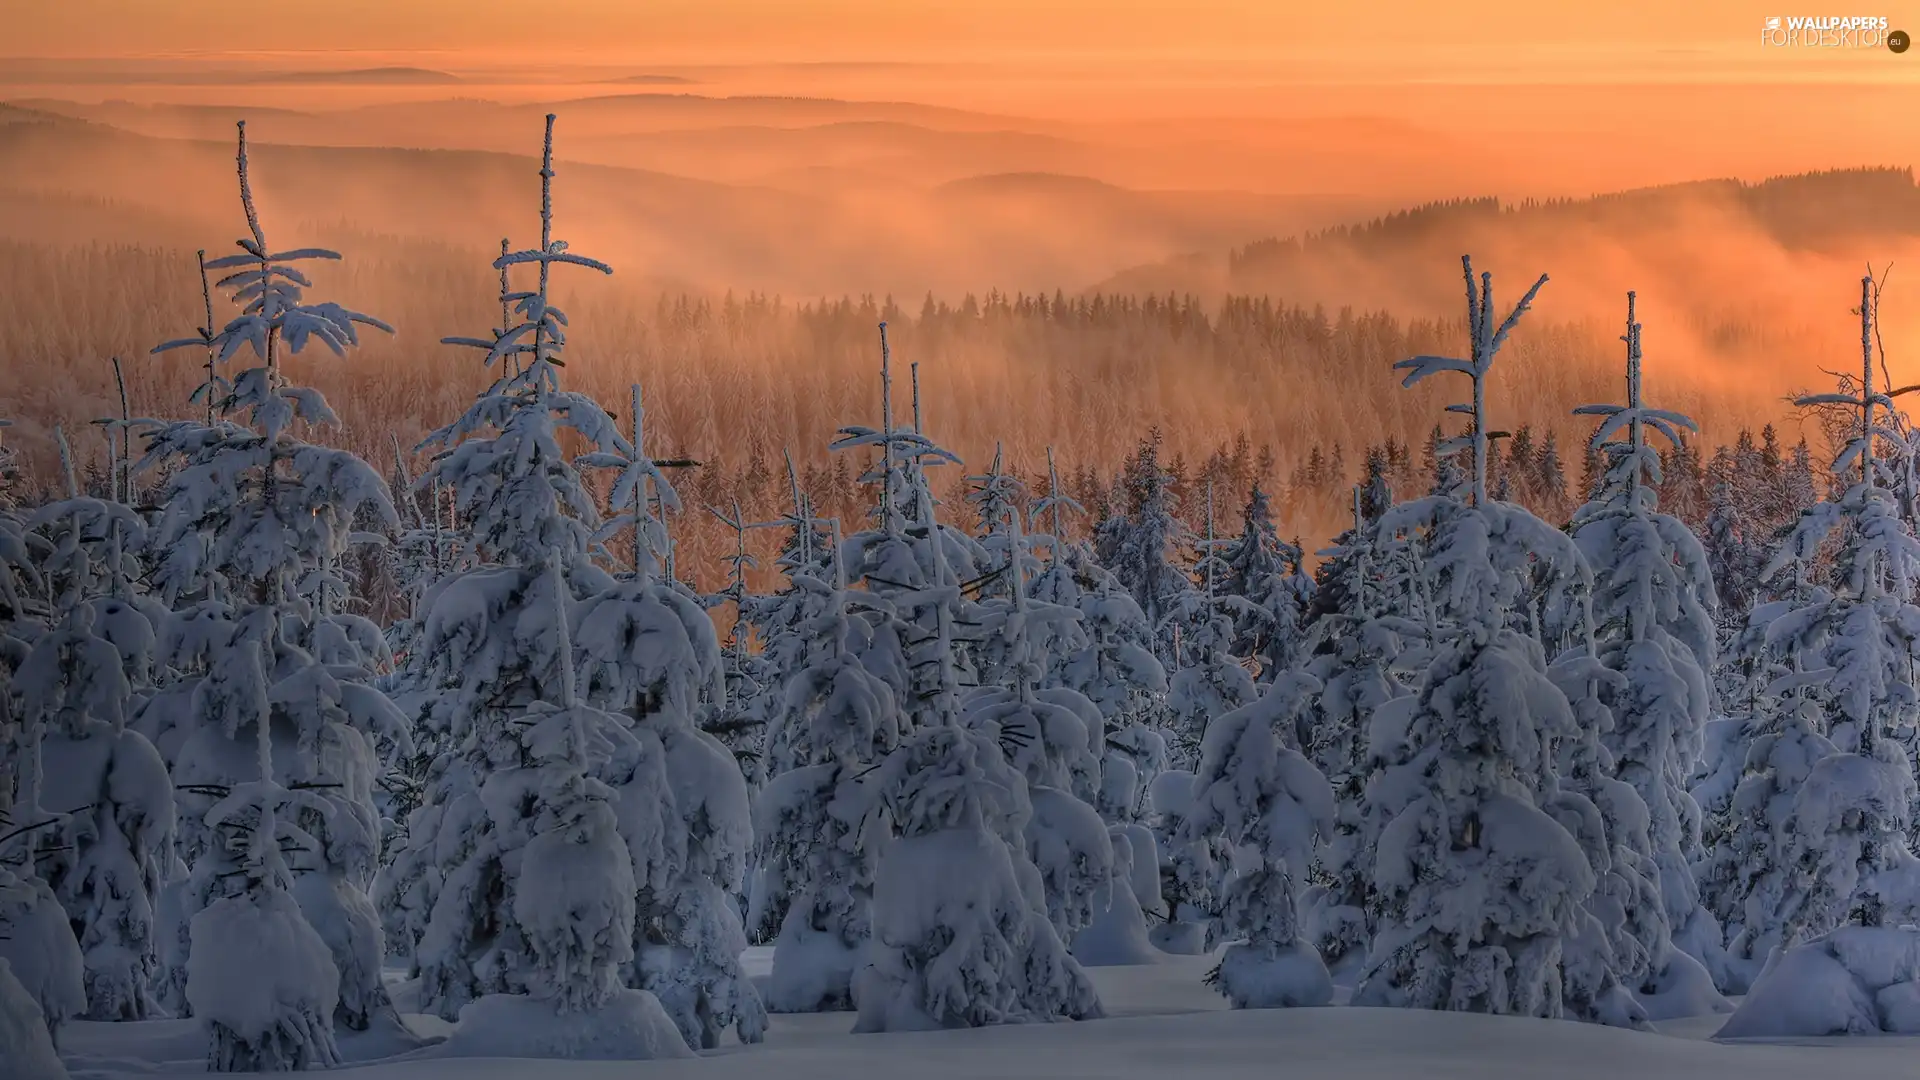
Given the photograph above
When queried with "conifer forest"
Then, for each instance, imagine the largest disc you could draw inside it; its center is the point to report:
(559, 725)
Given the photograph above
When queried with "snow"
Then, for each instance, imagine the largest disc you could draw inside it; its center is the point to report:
(25, 1045)
(1275, 976)
(1683, 989)
(1117, 935)
(262, 980)
(1463, 762)
(36, 942)
(1162, 1021)
(1855, 981)
(629, 1026)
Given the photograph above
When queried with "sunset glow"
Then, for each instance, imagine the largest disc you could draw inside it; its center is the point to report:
(941, 539)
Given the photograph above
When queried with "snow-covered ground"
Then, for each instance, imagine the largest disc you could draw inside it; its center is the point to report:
(1162, 1021)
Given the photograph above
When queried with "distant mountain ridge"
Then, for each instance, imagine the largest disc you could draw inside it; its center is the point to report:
(1804, 210)
(378, 76)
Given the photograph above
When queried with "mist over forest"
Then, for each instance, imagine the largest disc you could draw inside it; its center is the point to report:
(1041, 307)
(959, 538)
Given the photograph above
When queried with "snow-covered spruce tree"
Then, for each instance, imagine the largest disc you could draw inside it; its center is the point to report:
(997, 497)
(1749, 714)
(1193, 868)
(77, 686)
(1734, 555)
(1837, 852)
(650, 652)
(36, 938)
(1477, 886)
(818, 821)
(856, 681)
(92, 554)
(1359, 638)
(961, 936)
(1055, 583)
(421, 554)
(1622, 927)
(1110, 783)
(1255, 788)
(774, 621)
(927, 570)
(112, 787)
(589, 852)
(1107, 657)
(251, 515)
(1653, 624)
(549, 823)
(1267, 573)
(1047, 741)
(260, 979)
(1109, 662)
(739, 718)
(1139, 548)
(44, 985)
(1209, 681)
(774, 618)
(25, 1042)
(797, 626)
(1747, 875)
(23, 611)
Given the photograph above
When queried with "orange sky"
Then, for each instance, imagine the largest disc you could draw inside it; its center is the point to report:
(1378, 37)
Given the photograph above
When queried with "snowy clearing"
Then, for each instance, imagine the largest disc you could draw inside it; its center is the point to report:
(1161, 1019)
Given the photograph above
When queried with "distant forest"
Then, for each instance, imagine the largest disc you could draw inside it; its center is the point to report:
(1805, 210)
(1298, 399)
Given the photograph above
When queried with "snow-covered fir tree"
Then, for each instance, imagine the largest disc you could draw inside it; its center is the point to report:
(1360, 635)
(973, 945)
(1652, 606)
(255, 522)
(36, 938)
(1049, 740)
(960, 938)
(1476, 886)
(650, 652)
(77, 684)
(1269, 574)
(112, 787)
(259, 978)
(550, 824)
(819, 829)
(1257, 790)
(1623, 927)
(25, 1042)
(1209, 681)
(1141, 546)
(1829, 786)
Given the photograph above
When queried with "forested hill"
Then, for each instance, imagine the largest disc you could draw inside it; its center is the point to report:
(1812, 210)
(1709, 238)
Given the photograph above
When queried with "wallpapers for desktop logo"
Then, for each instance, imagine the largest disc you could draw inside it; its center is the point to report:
(1832, 32)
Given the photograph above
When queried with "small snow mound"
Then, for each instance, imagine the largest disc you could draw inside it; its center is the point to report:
(39, 946)
(25, 1045)
(1899, 1007)
(631, 1026)
(811, 969)
(1855, 981)
(1117, 937)
(1289, 977)
(1684, 988)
